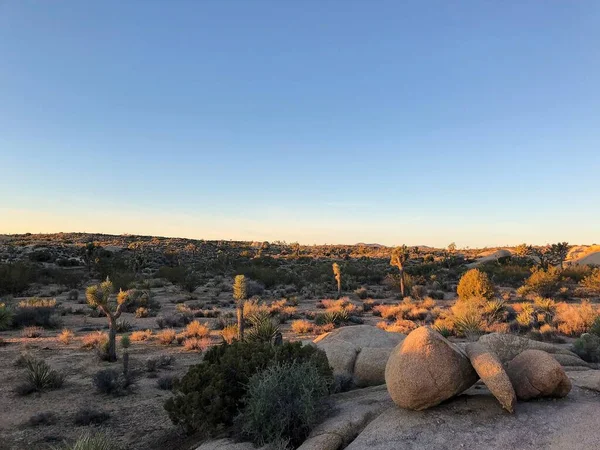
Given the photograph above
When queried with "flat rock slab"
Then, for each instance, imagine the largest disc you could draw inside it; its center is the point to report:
(590, 379)
(476, 420)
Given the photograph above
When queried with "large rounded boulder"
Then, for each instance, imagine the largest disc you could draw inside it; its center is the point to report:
(426, 369)
(359, 353)
(492, 373)
(535, 373)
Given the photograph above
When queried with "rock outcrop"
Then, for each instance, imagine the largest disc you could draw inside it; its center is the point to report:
(535, 373)
(359, 352)
(427, 369)
(492, 373)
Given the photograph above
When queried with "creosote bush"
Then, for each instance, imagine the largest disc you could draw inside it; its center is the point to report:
(475, 284)
(211, 393)
(283, 403)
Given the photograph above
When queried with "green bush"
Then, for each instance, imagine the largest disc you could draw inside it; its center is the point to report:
(511, 274)
(588, 347)
(112, 382)
(475, 284)
(592, 282)
(541, 282)
(16, 277)
(36, 311)
(6, 317)
(211, 394)
(283, 403)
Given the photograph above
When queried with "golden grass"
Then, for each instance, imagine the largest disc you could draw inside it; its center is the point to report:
(65, 336)
(167, 336)
(94, 339)
(195, 344)
(229, 333)
(141, 335)
(302, 326)
(196, 329)
(574, 320)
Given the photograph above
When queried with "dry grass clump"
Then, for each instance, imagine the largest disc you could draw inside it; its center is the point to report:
(196, 330)
(574, 320)
(141, 335)
(36, 302)
(339, 306)
(229, 333)
(142, 312)
(167, 336)
(32, 332)
(95, 339)
(302, 326)
(65, 336)
(399, 326)
(254, 308)
(195, 344)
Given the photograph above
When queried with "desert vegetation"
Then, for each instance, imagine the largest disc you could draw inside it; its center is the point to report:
(152, 328)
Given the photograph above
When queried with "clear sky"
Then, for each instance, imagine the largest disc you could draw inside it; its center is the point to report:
(417, 122)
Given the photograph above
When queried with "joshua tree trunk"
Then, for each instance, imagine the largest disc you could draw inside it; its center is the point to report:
(339, 285)
(402, 281)
(112, 339)
(240, 320)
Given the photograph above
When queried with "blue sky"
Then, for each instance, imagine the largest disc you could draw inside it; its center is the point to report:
(312, 121)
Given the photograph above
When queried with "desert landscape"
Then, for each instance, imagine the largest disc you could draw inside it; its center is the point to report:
(336, 309)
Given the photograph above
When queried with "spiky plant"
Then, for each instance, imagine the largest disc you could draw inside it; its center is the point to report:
(263, 329)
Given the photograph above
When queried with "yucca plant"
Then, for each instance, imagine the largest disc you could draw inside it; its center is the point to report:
(263, 329)
(469, 325)
(89, 441)
(39, 376)
(495, 309)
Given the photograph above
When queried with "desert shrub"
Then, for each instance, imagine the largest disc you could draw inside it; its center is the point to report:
(36, 312)
(444, 327)
(546, 307)
(32, 332)
(262, 329)
(166, 382)
(90, 441)
(418, 291)
(334, 318)
(16, 277)
(195, 344)
(546, 333)
(229, 333)
(495, 310)
(283, 402)
(592, 282)
(166, 337)
(467, 318)
(196, 330)
(302, 326)
(65, 336)
(141, 335)
(173, 320)
(141, 298)
(158, 362)
(142, 312)
(362, 293)
(210, 395)
(94, 340)
(475, 284)
(511, 274)
(123, 326)
(574, 320)
(73, 295)
(543, 283)
(595, 327)
(39, 377)
(6, 317)
(576, 273)
(588, 347)
(112, 382)
(88, 416)
(42, 418)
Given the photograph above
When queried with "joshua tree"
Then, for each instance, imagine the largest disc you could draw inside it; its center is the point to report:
(452, 248)
(98, 296)
(295, 249)
(398, 259)
(89, 252)
(240, 295)
(558, 253)
(542, 253)
(337, 273)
